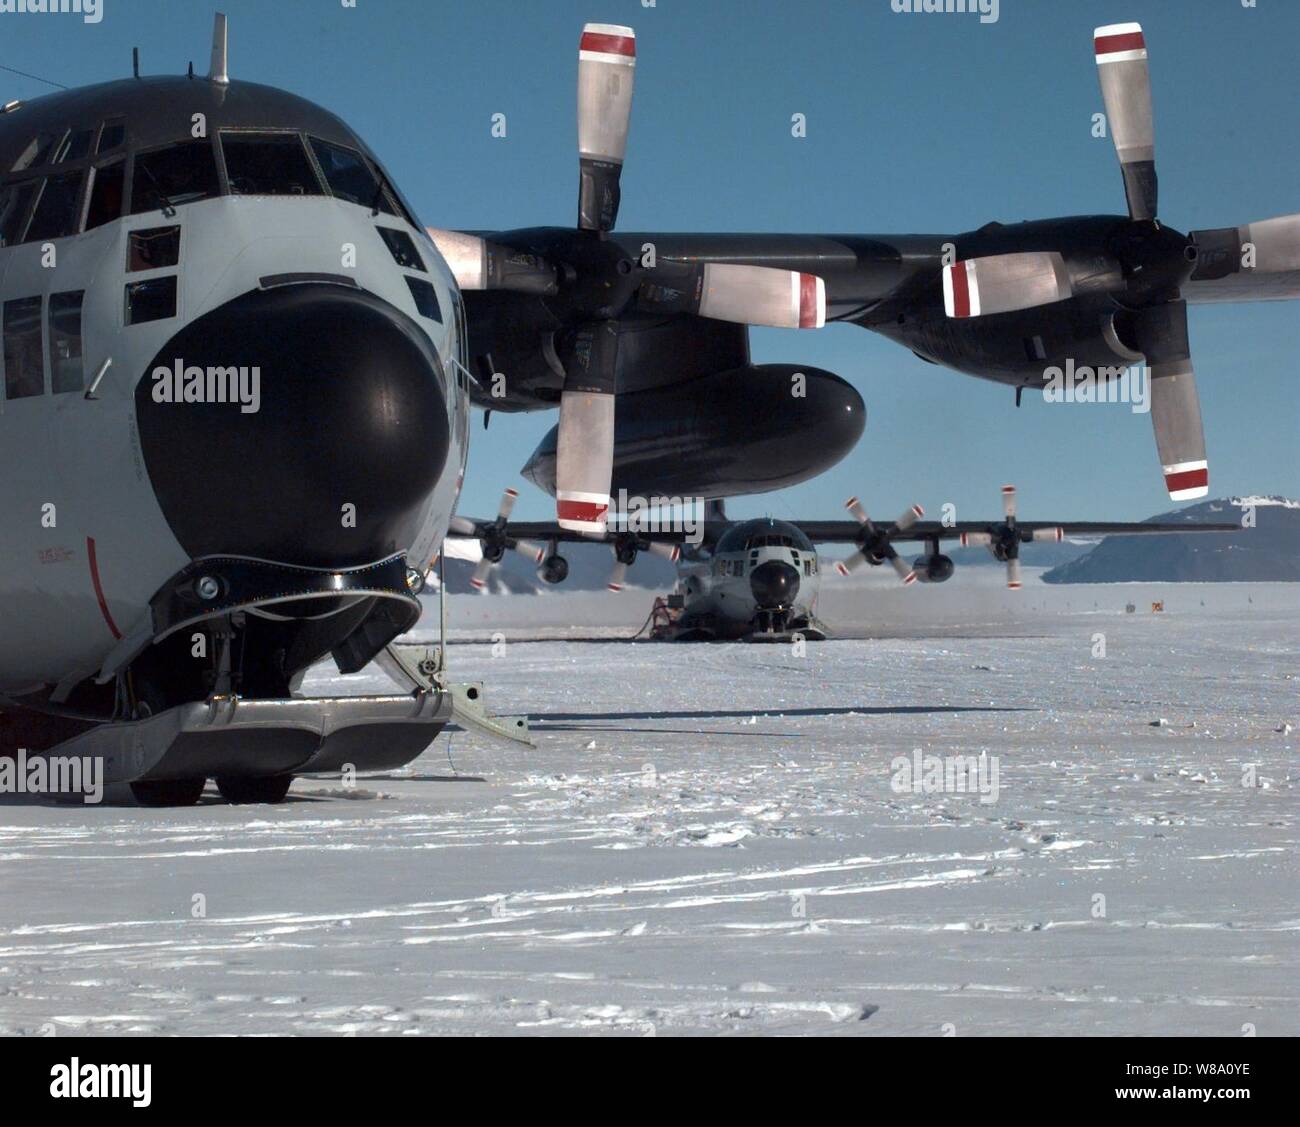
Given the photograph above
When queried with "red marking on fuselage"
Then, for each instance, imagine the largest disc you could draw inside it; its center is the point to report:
(99, 589)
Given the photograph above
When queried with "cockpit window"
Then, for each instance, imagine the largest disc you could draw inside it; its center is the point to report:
(56, 214)
(37, 153)
(111, 136)
(351, 177)
(771, 540)
(178, 174)
(106, 195)
(75, 145)
(15, 204)
(268, 164)
(24, 365)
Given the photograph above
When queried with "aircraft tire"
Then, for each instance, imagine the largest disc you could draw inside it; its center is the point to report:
(247, 790)
(168, 792)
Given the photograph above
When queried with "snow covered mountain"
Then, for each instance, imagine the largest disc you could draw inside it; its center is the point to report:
(1267, 548)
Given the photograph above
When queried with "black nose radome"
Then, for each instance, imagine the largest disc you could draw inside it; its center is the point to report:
(774, 584)
(331, 439)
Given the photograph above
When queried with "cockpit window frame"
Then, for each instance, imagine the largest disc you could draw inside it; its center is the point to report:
(396, 209)
(223, 171)
(133, 161)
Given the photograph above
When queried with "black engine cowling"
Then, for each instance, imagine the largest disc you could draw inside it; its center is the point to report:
(933, 569)
(554, 569)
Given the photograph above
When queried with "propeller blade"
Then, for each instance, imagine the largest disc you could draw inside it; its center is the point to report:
(1004, 283)
(904, 569)
(1224, 250)
(584, 463)
(744, 295)
(532, 552)
(858, 513)
(909, 518)
(479, 579)
(1054, 535)
(670, 552)
(508, 499)
(762, 295)
(976, 539)
(617, 576)
(463, 526)
(1013, 573)
(851, 563)
(482, 265)
(1121, 52)
(1180, 435)
(1009, 502)
(1175, 404)
(606, 68)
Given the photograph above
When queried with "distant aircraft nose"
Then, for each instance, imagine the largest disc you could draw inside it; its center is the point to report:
(335, 466)
(774, 584)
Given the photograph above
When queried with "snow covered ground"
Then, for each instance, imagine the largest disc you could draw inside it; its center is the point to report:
(706, 840)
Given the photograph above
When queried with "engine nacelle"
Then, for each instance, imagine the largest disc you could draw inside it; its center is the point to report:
(554, 569)
(933, 569)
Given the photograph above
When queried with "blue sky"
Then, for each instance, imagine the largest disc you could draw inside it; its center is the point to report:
(916, 122)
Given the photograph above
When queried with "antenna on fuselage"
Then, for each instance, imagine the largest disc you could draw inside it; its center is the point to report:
(218, 72)
(135, 61)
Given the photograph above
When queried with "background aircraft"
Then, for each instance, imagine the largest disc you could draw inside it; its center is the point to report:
(759, 579)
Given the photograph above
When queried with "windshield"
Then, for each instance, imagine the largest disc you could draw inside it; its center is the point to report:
(268, 164)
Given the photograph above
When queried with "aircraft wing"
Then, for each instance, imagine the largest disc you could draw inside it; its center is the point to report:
(471, 528)
(850, 532)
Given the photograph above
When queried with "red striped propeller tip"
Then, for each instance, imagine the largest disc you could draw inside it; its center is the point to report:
(812, 302)
(850, 502)
(512, 492)
(478, 583)
(961, 296)
(586, 511)
(1013, 586)
(841, 569)
(1008, 489)
(1187, 480)
(1119, 42)
(609, 39)
(675, 555)
(615, 587)
(920, 512)
(910, 579)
